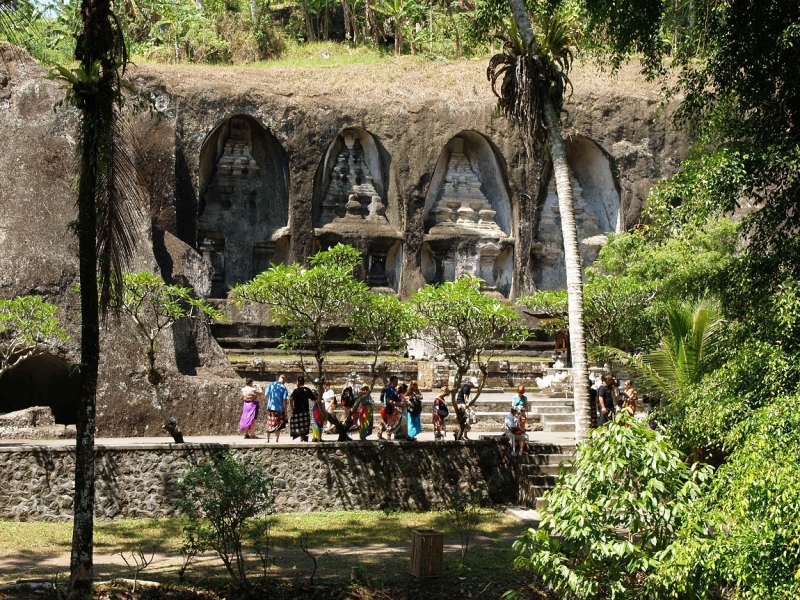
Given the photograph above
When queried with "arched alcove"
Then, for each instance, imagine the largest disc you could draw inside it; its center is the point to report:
(597, 212)
(468, 181)
(42, 380)
(468, 219)
(243, 212)
(350, 184)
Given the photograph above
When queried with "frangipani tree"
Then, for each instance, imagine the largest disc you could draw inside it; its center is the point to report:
(28, 326)
(154, 307)
(468, 327)
(383, 324)
(308, 302)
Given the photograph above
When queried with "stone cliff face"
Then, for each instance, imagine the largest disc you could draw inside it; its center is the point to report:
(405, 161)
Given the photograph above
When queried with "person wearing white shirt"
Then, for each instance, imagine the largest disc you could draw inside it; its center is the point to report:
(514, 433)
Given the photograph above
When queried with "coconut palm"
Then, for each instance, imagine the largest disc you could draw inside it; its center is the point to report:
(533, 77)
(108, 198)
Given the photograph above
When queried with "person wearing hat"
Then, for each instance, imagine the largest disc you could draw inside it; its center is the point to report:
(514, 432)
(463, 404)
(251, 394)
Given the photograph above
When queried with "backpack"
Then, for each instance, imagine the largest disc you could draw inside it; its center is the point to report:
(443, 411)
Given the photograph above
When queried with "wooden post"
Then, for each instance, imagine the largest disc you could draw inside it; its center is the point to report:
(427, 553)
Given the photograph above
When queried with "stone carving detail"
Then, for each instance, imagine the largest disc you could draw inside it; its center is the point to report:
(462, 203)
(213, 252)
(351, 192)
(550, 246)
(237, 170)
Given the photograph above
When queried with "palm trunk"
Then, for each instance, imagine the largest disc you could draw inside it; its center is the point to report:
(95, 42)
(569, 232)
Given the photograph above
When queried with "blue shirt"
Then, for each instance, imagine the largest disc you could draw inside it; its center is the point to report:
(276, 396)
(389, 393)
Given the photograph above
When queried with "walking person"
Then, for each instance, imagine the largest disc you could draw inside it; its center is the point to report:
(364, 413)
(251, 395)
(605, 401)
(440, 414)
(631, 398)
(277, 395)
(462, 400)
(414, 399)
(329, 400)
(390, 412)
(299, 402)
(402, 426)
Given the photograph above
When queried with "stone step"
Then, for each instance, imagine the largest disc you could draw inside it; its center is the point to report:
(541, 503)
(541, 469)
(556, 418)
(545, 459)
(559, 427)
(543, 481)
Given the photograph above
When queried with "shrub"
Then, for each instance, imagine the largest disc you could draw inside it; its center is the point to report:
(612, 513)
(744, 537)
(226, 503)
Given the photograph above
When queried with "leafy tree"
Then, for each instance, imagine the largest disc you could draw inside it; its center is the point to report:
(308, 302)
(534, 75)
(612, 514)
(383, 324)
(28, 326)
(744, 536)
(154, 307)
(468, 328)
(227, 503)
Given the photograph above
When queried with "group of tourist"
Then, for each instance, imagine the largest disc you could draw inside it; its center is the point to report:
(609, 397)
(400, 409)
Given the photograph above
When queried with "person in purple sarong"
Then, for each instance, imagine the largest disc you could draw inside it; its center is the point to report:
(251, 395)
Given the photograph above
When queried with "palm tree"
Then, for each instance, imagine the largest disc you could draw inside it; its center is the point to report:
(534, 80)
(108, 197)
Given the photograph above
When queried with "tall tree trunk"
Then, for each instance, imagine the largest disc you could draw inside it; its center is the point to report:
(348, 32)
(94, 43)
(398, 40)
(253, 10)
(569, 232)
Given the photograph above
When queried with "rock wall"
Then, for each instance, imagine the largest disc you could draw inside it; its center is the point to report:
(139, 481)
(272, 140)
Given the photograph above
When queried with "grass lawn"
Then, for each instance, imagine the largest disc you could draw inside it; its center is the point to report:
(375, 542)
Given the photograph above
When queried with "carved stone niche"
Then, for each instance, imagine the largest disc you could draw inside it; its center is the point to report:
(383, 265)
(467, 215)
(244, 200)
(350, 185)
(597, 212)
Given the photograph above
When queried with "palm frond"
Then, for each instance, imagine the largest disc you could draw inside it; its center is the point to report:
(520, 79)
(120, 207)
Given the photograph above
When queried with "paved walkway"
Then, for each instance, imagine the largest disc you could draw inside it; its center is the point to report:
(536, 437)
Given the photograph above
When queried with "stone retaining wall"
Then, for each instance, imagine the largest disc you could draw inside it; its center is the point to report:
(139, 481)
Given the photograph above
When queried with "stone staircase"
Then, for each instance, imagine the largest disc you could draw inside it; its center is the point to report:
(545, 412)
(538, 472)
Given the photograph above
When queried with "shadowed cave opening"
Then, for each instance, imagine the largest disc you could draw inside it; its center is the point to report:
(42, 380)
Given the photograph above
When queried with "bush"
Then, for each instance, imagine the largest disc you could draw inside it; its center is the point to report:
(227, 503)
(744, 537)
(612, 513)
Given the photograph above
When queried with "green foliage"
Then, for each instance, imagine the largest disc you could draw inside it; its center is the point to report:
(154, 306)
(465, 324)
(308, 301)
(464, 511)
(28, 326)
(527, 73)
(382, 323)
(612, 513)
(226, 503)
(745, 535)
(552, 303)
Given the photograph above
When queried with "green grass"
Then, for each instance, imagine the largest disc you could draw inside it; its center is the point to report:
(324, 529)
